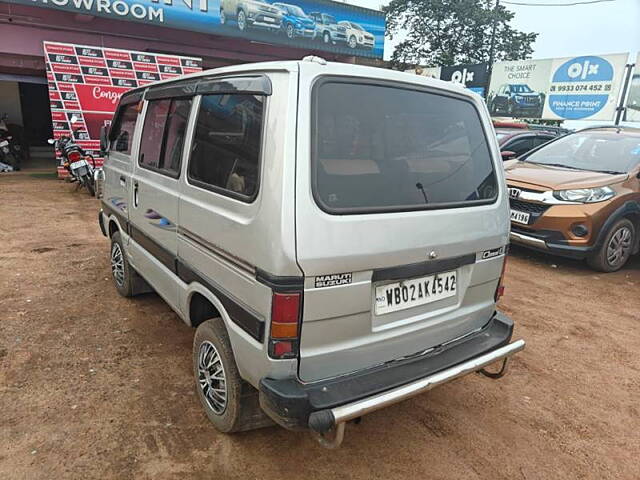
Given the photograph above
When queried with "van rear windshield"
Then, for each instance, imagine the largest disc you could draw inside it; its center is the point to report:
(387, 148)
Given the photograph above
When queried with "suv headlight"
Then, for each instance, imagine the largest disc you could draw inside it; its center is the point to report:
(585, 195)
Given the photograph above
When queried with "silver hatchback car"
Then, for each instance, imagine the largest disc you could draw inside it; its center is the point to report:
(336, 235)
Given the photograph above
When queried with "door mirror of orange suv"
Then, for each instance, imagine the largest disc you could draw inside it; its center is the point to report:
(508, 155)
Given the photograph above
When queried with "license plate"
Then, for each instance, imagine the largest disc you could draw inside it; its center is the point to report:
(520, 217)
(418, 291)
(4, 143)
(78, 164)
(269, 19)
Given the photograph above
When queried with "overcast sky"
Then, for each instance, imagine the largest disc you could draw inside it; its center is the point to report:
(609, 27)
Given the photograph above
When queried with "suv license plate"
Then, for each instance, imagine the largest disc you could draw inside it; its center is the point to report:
(520, 217)
(417, 291)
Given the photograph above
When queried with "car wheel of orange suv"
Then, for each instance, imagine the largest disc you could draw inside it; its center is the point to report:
(616, 248)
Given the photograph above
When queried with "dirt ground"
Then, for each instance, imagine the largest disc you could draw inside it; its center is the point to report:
(93, 385)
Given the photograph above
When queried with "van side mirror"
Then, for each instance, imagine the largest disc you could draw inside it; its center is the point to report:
(104, 139)
(508, 155)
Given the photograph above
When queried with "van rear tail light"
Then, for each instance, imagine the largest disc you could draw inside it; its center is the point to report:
(500, 288)
(285, 325)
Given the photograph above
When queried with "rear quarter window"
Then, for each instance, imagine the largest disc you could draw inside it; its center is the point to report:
(379, 147)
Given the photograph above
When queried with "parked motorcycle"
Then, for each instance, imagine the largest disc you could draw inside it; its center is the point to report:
(75, 160)
(10, 150)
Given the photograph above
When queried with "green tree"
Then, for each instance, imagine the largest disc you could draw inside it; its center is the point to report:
(453, 32)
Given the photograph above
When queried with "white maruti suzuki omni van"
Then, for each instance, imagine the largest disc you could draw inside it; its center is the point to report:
(335, 233)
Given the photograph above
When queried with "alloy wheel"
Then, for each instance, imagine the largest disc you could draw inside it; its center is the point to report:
(619, 246)
(117, 264)
(242, 21)
(223, 18)
(290, 31)
(211, 377)
(352, 42)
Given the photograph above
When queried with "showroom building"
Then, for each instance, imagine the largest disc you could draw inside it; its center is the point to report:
(216, 32)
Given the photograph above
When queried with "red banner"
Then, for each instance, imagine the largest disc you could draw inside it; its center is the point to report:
(88, 81)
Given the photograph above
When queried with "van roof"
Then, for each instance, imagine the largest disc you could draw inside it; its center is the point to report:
(335, 68)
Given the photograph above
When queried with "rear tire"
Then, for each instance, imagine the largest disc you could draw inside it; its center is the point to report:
(230, 403)
(242, 21)
(616, 249)
(120, 268)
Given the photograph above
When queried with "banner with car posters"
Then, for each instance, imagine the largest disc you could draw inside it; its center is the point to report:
(307, 24)
(571, 88)
(88, 82)
(632, 112)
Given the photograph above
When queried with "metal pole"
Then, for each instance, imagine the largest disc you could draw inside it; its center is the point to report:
(622, 106)
(492, 48)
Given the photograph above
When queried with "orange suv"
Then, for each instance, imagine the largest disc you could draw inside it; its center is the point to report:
(578, 196)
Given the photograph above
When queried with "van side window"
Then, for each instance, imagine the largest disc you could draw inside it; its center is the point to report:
(163, 134)
(225, 154)
(121, 134)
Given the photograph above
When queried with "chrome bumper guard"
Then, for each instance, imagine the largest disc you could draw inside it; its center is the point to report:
(339, 415)
(527, 240)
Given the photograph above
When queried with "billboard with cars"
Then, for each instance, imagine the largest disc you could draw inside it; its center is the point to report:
(572, 88)
(308, 24)
(87, 81)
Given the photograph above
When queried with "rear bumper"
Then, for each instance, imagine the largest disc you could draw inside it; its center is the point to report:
(323, 405)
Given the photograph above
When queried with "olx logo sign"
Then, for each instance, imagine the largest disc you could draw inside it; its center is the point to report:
(582, 70)
(465, 76)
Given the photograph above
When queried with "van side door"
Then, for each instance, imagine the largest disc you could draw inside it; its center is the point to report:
(118, 165)
(155, 193)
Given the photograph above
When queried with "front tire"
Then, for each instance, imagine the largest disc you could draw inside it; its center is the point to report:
(326, 38)
(353, 43)
(223, 17)
(616, 248)
(290, 32)
(90, 187)
(230, 403)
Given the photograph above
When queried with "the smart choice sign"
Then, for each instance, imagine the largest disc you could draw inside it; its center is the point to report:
(572, 88)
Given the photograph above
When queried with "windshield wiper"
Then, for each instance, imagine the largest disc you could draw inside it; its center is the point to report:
(610, 172)
(557, 165)
(420, 187)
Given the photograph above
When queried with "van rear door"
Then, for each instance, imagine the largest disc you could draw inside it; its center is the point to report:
(398, 194)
